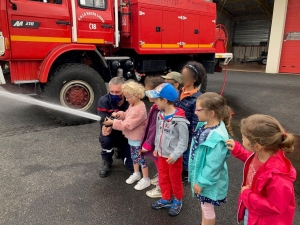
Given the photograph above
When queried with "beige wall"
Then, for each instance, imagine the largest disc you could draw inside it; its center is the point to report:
(276, 36)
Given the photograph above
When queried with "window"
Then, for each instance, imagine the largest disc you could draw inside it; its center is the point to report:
(98, 4)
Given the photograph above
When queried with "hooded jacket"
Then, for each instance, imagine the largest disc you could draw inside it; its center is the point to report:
(208, 169)
(148, 140)
(132, 122)
(271, 199)
(172, 135)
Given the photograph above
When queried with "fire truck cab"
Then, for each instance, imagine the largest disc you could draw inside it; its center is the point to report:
(70, 48)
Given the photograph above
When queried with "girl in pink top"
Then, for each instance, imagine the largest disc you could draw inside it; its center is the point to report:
(267, 194)
(132, 123)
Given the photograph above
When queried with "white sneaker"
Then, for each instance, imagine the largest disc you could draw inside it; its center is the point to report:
(142, 184)
(154, 193)
(133, 178)
(154, 180)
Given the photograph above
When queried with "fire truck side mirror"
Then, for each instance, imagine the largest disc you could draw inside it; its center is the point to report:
(13, 5)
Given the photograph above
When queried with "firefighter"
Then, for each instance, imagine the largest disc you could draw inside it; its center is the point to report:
(111, 139)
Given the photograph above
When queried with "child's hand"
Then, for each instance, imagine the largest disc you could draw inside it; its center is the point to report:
(143, 150)
(114, 114)
(108, 122)
(170, 160)
(244, 188)
(155, 153)
(230, 144)
(197, 189)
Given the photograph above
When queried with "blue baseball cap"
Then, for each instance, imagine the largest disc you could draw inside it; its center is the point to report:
(164, 90)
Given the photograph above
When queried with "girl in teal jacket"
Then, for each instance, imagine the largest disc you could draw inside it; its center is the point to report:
(208, 171)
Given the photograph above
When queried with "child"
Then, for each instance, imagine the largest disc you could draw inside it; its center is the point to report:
(170, 142)
(267, 194)
(148, 139)
(208, 172)
(173, 78)
(132, 123)
(192, 75)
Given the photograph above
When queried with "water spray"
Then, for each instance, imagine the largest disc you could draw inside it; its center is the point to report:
(32, 101)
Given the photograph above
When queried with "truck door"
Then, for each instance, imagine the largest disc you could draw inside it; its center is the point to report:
(190, 31)
(36, 27)
(207, 31)
(95, 22)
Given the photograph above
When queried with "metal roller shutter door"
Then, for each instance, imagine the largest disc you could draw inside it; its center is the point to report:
(290, 53)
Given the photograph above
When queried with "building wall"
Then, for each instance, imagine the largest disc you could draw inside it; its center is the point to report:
(276, 36)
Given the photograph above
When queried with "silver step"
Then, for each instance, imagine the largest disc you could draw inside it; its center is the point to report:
(20, 82)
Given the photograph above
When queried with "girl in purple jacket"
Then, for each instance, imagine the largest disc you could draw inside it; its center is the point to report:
(147, 144)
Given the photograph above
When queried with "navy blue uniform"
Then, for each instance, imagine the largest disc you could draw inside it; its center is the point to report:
(115, 139)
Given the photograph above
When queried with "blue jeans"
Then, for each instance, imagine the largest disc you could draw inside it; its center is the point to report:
(246, 217)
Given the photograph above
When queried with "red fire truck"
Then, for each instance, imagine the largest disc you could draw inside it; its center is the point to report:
(70, 48)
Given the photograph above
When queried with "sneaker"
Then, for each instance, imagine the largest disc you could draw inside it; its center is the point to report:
(175, 208)
(185, 176)
(161, 204)
(105, 169)
(154, 180)
(154, 193)
(133, 178)
(142, 184)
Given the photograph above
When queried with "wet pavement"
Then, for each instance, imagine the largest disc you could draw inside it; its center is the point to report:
(49, 173)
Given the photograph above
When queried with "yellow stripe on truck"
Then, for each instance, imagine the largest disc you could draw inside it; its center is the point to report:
(39, 39)
(90, 40)
(170, 45)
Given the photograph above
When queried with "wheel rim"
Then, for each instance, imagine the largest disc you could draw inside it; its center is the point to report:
(77, 94)
(264, 61)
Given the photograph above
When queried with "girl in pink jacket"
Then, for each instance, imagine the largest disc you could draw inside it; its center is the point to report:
(132, 123)
(267, 194)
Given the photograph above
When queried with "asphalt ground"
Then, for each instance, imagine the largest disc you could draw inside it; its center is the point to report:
(49, 173)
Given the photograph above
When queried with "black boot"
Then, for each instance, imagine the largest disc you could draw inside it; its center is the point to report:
(105, 169)
(117, 153)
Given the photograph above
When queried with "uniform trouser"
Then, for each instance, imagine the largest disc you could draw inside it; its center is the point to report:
(116, 139)
(170, 179)
(185, 161)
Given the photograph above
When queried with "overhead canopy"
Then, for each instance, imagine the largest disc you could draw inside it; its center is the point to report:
(241, 10)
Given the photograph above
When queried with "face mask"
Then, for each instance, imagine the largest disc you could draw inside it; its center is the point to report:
(116, 98)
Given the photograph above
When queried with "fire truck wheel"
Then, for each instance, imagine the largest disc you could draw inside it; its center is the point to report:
(75, 86)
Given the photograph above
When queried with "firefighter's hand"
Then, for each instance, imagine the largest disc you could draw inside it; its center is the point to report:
(230, 144)
(155, 153)
(170, 160)
(197, 189)
(106, 130)
(108, 122)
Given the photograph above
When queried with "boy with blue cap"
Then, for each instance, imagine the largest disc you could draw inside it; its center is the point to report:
(170, 142)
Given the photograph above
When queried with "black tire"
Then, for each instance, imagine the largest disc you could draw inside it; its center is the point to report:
(263, 61)
(68, 86)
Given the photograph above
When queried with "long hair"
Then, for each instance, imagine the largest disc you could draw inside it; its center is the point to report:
(215, 102)
(267, 131)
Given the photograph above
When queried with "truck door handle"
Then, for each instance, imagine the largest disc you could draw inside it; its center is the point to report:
(60, 22)
(107, 26)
